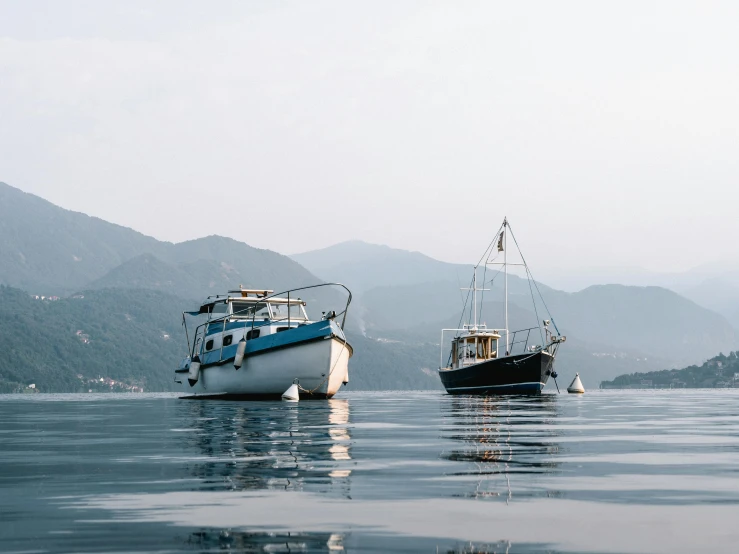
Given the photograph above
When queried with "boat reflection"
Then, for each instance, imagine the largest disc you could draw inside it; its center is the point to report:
(210, 540)
(499, 440)
(270, 445)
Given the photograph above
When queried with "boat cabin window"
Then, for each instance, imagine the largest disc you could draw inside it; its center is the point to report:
(472, 349)
(280, 311)
(227, 340)
(297, 312)
(219, 310)
(209, 345)
(252, 334)
(246, 309)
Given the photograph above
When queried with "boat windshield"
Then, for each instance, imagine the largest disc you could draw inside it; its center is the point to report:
(219, 309)
(280, 311)
(246, 309)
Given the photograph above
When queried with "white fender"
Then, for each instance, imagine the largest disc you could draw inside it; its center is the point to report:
(240, 350)
(194, 374)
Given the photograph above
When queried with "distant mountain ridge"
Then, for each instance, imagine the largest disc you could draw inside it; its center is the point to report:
(50, 250)
(366, 265)
(53, 250)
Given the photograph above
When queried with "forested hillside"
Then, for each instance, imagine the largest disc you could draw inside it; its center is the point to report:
(135, 337)
(719, 371)
(132, 336)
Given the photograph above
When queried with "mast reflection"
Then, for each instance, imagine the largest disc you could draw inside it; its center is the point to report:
(499, 440)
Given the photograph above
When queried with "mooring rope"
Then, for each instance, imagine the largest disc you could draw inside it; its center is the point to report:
(300, 387)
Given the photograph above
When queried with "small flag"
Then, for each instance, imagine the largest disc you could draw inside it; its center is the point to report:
(500, 242)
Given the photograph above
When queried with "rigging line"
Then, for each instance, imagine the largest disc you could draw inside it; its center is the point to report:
(533, 300)
(459, 284)
(492, 281)
(532, 278)
(485, 271)
(461, 317)
(490, 245)
(482, 296)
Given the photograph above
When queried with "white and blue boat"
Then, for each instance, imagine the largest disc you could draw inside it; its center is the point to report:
(256, 344)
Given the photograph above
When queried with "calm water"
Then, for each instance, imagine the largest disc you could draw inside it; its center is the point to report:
(606, 472)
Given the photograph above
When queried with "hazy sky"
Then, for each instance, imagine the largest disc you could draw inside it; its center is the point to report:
(607, 132)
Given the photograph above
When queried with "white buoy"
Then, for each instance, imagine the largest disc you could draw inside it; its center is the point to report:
(240, 349)
(291, 394)
(194, 373)
(576, 385)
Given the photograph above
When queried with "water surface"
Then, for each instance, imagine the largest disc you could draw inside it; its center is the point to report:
(610, 471)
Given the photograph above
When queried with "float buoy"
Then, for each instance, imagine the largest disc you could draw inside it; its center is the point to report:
(292, 394)
(240, 349)
(194, 373)
(576, 385)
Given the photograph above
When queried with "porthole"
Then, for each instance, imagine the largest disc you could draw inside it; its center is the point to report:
(253, 334)
(209, 345)
(227, 340)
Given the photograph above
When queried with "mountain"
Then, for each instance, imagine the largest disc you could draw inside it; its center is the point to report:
(195, 270)
(648, 319)
(720, 294)
(714, 285)
(366, 266)
(49, 250)
(720, 371)
(146, 271)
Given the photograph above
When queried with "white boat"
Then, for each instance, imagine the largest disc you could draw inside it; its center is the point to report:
(256, 344)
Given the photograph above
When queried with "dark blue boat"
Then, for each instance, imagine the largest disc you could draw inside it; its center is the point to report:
(485, 361)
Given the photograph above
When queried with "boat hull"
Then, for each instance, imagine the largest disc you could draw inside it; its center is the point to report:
(520, 374)
(320, 366)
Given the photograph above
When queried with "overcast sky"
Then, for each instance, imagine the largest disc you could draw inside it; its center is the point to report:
(607, 132)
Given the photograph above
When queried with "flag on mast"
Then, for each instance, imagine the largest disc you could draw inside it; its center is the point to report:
(500, 242)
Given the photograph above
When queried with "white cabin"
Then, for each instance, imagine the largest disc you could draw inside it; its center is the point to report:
(475, 344)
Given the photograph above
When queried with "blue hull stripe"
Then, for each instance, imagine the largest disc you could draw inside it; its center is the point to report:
(313, 331)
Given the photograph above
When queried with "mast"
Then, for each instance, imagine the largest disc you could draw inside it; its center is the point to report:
(474, 295)
(505, 268)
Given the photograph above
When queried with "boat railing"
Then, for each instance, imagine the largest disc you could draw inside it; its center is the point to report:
(522, 340)
(201, 330)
